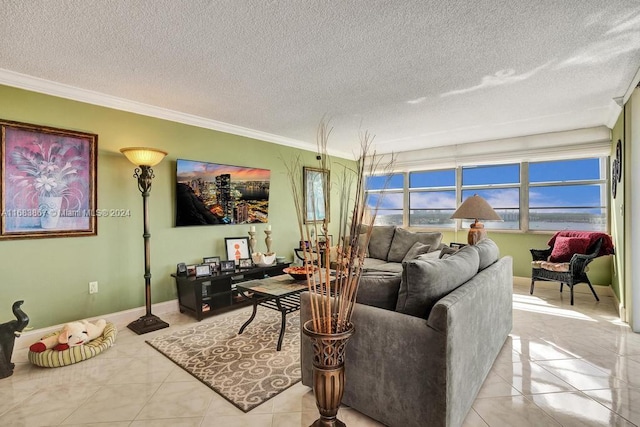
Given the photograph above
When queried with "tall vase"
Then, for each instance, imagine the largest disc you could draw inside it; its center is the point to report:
(328, 372)
(49, 210)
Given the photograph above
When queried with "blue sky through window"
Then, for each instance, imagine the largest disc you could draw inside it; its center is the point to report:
(550, 198)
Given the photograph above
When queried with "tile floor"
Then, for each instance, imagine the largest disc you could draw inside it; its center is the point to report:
(561, 366)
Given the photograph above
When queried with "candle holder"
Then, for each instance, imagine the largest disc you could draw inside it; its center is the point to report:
(267, 240)
(252, 241)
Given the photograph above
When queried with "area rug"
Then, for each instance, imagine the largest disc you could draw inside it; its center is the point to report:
(244, 369)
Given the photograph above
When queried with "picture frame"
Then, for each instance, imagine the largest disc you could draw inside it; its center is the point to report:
(211, 260)
(237, 248)
(214, 267)
(315, 187)
(226, 266)
(49, 182)
(325, 241)
(245, 263)
(203, 270)
(181, 269)
(191, 270)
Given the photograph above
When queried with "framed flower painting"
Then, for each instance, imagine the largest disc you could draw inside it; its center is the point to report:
(48, 182)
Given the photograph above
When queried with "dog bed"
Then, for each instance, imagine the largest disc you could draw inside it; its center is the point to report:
(54, 359)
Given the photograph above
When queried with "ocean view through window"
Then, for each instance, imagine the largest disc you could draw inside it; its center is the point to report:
(529, 196)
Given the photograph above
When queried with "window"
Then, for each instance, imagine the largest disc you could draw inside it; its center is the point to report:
(432, 198)
(537, 196)
(500, 186)
(386, 193)
(568, 194)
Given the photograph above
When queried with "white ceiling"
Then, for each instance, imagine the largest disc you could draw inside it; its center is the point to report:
(415, 73)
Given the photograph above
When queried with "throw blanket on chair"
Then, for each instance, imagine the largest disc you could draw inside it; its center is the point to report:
(607, 243)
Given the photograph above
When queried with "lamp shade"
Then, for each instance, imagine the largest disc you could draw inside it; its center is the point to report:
(143, 156)
(475, 207)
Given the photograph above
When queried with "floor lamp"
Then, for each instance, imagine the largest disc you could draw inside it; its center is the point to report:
(475, 207)
(144, 159)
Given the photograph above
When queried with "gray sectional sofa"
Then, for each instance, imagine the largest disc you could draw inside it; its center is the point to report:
(423, 361)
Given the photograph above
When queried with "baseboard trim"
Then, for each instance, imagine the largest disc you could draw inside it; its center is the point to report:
(118, 318)
(602, 291)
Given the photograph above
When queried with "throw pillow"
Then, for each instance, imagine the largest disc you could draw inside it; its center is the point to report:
(424, 283)
(447, 251)
(380, 241)
(416, 250)
(565, 247)
(403, 240)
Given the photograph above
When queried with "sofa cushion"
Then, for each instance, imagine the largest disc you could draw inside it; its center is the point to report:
(565, 247)
(380, 265)
(379, 290)
(380, 241)
(488, 252)
(416, 250)
(403, 240)
(428, 256)
(425, 282)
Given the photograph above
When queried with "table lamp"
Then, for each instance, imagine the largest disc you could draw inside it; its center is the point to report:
(475, 207)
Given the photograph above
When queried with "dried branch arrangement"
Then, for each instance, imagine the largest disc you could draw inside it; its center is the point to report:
(336, 289)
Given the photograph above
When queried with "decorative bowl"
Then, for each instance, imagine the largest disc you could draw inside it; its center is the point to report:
(263, 260)
(298, 273)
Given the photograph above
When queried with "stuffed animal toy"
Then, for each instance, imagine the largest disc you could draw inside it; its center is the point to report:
(72, 334)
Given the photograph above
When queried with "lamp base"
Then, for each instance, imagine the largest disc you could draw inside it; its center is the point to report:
(476, 233)
(147, 324)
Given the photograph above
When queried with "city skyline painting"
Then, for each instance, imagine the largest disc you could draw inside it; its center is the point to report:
(218, 194)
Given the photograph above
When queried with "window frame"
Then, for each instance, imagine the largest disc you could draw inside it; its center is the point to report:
(523, 187)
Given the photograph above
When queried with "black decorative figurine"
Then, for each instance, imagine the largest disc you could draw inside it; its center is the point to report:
(8, 333)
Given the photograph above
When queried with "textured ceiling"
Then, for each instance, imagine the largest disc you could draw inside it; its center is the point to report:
(415, 73)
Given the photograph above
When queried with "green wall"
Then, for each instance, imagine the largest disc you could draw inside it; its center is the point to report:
(52, 274)
(617, 218)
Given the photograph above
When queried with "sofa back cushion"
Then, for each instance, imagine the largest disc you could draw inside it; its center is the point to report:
(380, 241)
(403, 240)
(424, 283)
(379, 289)
(488, 252)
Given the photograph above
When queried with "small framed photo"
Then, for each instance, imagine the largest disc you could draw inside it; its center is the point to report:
(181, 269)
(237, 248)
(245, 263)
(211, 260)
(191, 270)
(325, 241)
(227, 265)
(214, 267)
(203, 270)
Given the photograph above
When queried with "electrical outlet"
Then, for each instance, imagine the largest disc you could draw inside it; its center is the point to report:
(93, 287)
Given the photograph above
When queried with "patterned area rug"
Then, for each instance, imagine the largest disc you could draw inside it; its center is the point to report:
(244, 369)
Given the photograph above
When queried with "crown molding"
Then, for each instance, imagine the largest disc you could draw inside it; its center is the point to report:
(48, 87)
(613, 112)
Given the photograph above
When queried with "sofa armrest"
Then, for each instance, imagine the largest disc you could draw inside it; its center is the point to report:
(476, 318)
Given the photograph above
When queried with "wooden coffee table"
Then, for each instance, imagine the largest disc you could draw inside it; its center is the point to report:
(280, 293)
